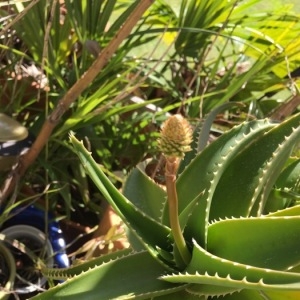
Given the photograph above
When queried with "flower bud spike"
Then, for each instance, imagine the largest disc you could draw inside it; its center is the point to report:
(175, 140)
(176, 137)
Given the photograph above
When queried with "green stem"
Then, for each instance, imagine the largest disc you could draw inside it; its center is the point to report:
(171, 169)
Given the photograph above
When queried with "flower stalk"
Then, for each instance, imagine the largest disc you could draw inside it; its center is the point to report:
(175, 139)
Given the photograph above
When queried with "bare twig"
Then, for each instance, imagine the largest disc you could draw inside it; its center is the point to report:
(285, 109)
(72, 94)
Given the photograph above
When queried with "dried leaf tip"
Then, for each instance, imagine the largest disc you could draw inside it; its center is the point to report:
(175, 137)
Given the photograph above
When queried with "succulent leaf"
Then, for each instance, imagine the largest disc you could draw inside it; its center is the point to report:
(184, 294)
(247, 182)
(290, 211)
(149, 197)
(289, 177)
(153, 233)
(209, 269)
(76, 269)
(258, 242)
(210, 290)
(205, 171)
(134, 276)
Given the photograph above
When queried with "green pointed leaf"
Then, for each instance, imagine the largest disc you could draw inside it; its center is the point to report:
(78, 268)
(201, 133)
(246, 295)
(247, 182)
(206, 169)
(145, 194)
(181, 295)
(210, 270)
(205, 130)
(131, 277)
(261, 242)
(210, 290)
(150, 232)
(290, 211)
(289, 177)
(188, 211)
(263, 295)
(279, 295)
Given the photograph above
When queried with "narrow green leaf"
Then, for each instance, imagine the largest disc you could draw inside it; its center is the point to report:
(205, 130)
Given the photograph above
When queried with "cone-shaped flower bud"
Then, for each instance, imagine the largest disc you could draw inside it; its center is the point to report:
(175, 137)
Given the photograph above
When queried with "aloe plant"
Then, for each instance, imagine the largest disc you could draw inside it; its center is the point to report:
(237, 212)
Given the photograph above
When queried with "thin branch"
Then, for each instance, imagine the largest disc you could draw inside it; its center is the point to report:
(286, 109)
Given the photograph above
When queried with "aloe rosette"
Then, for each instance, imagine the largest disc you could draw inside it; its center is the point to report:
(238, 214)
